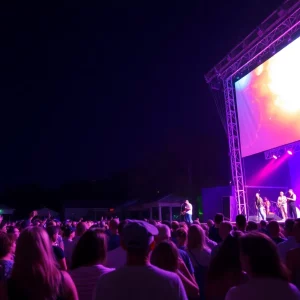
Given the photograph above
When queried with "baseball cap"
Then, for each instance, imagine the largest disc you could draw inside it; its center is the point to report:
(138, 234)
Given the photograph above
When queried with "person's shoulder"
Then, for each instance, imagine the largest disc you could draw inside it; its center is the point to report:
(235, 292)
(163, 274)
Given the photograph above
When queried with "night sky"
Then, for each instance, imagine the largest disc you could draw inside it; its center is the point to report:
(91, 89)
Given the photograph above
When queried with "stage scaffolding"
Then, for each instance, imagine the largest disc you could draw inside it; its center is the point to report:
(277, 31)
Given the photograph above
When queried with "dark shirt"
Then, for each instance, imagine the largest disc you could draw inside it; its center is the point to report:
(58, 252)
(259, 202)
(5, 269)
(214, 234)
(113, 241)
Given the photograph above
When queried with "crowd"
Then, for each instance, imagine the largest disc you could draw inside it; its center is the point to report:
(109, 259)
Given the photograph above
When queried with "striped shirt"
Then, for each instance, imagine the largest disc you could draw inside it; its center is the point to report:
(85, 279)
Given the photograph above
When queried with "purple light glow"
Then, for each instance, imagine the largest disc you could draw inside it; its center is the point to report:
(275, 157)
(290, 152)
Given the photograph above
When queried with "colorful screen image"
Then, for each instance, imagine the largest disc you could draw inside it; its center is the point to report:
(268, 102)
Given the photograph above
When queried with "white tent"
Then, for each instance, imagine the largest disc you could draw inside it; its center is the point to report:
(44, 212)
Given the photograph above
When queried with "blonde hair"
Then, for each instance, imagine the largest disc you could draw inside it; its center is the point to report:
(196, 238)
(35, 271)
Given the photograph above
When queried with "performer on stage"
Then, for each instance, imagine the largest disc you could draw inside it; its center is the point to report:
(291, 203)
(282, 205)
(267, 205)
(259, 204)
(188, 212)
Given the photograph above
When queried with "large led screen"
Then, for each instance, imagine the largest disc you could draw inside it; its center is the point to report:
(268, 102)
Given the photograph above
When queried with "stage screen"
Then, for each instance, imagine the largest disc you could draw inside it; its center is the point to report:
(268, 102)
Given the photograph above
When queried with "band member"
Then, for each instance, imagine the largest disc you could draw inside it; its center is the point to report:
(282, 205)
(259, 204)
(188, 212)
(267, 205)
(291, 204)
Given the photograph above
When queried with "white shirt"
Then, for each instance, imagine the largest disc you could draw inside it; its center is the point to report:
(116, 258)
(140, 283)
(281, 200)
(262, 289)
(287, 245)
(190, 207)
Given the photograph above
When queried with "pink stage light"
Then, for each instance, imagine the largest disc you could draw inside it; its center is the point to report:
(290, 152)
(275, 157)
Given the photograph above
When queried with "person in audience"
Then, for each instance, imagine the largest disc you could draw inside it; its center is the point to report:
(164, 234)
(184, 226)
(263, 227)
(293, 257)
(224, 231)
(113, 235)
(138, 279)
(210, 223)
(87, 262)
(199, 254)
(290, 242)
(205, 228)
(13, 232)
(81, 228)
(241, 223)
(174, 227)
(117, 257)
(274, 232)
(214, 230)
(268, 277)
(165, 256)
(35, 274)
(58, 252)
(7, 251)
(3, 226)
(69, 234)
(251, 226)
(181, 238)
(225, 270)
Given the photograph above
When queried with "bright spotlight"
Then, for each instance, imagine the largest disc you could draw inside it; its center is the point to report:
(290, 152)
(275, 157)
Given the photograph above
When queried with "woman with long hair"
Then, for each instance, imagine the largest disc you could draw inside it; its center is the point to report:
(267, 276)
(199, 254)
(87, 262)
(225, 270)
(165, 256)
(35, 274)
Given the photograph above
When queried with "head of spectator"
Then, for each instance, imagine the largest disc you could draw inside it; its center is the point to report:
(113, 226)
(289, 227)
(168, 223)
(219, 218)
(152, 222)
(251, 226)
(164, 233)
(138, 240)
(259, 257)
(90, 249)
(196, 222)
(121, 226)
(51, 223)
(81, 228)
(3, 226)
(181, 238)
(196, 238)
(174, 226)
(35, 274)
(210, 223)
(263, 224)
(7, 247)
(225, 229)
(273, 229)
(53, 233)
(227, 258)
(165, 256)
(69, 233)
(183, 225)
(241, 223)
(13, 232)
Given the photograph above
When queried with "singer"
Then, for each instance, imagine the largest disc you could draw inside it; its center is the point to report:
(188, 212)
(291, 203)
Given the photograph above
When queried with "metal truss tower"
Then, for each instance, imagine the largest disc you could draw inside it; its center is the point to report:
(277, 31)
